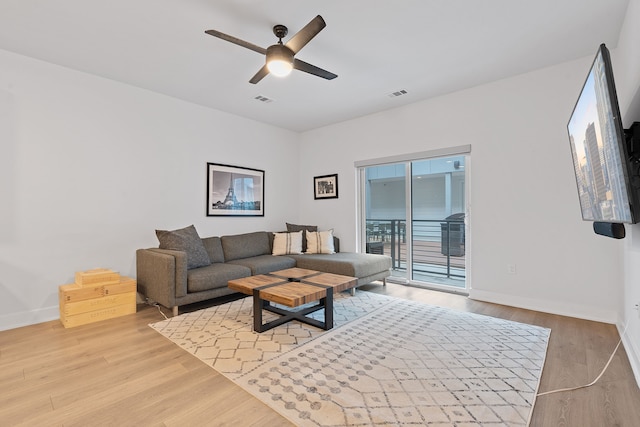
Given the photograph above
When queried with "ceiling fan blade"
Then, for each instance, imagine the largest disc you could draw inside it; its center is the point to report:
(237, 41)
(312, 69)
(302, 37)
(260, 74)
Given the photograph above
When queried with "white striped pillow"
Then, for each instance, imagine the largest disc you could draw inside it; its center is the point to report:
(287, 243)
(320, 242)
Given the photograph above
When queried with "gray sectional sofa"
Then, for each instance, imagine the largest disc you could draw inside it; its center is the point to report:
(172, 278)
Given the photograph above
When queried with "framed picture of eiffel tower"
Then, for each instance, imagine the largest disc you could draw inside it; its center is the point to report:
(234, 191)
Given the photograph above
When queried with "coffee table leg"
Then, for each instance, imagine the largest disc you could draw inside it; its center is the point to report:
(260, 304)
(257, 311)
(328, 310)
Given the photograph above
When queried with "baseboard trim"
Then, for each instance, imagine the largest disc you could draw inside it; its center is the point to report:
(545, 306)
(633, 353)
(26, 318)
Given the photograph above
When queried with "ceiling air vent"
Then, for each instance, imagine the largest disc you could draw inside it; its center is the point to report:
(397, 93)
(263, 99)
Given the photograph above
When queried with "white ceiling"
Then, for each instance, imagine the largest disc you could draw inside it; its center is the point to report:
(426, 47)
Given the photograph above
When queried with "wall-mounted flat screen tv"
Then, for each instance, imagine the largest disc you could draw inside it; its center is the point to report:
(598, 148)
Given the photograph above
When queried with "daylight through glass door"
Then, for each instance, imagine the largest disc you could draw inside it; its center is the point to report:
(415, 212)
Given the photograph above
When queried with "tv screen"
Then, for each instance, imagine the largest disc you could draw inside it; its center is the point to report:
(598, 148)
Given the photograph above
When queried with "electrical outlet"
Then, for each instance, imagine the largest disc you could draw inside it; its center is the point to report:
(511, 268)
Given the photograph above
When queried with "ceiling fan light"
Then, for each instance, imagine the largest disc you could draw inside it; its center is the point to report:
(279, 68)
(279, 60)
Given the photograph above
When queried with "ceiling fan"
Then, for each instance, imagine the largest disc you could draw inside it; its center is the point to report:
(280, 57)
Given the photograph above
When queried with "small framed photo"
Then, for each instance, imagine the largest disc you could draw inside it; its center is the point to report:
(325, 187)
(234, 191)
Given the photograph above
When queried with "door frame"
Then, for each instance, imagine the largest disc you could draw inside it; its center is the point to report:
(407, 159)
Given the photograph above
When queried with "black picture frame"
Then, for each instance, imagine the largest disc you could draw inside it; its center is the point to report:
(234, 190)
(325, 187)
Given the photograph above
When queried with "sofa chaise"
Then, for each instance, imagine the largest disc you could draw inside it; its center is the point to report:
(191, 269)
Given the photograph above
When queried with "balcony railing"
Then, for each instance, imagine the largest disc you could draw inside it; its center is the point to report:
(438, 245)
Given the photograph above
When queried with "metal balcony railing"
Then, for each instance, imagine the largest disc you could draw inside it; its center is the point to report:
(438, 245)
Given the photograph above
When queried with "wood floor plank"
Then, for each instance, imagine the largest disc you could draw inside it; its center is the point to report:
(122, 372)
(80, 386)
(84, 407)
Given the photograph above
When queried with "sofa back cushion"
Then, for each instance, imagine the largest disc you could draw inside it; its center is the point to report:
(213, 245)
(246, 245)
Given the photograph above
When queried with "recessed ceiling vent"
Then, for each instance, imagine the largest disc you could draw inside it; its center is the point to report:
(397, 93)
(263, 99)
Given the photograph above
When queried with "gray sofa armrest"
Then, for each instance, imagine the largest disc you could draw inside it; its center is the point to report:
(162, 274)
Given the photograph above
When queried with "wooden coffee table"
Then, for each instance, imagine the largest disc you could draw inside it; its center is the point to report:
(293, 287)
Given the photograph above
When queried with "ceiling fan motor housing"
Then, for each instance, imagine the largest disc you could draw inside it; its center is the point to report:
(282, 55)
(279, 52)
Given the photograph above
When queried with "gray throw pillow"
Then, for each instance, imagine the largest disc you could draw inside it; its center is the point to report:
(186, 240)
(292, 228)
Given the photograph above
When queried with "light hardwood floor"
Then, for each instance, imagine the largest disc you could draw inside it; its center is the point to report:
(120, 372)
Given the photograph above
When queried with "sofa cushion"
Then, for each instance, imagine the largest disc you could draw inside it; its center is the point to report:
(287, 243)
(320, 242)
(246, 245)
(213, 245)
(345, 263)
(304, 229)
(265, 263)
(214, 276)
(186, 240)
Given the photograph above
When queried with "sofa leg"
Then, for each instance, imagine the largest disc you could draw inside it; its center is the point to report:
(384, 281)
(175, 310)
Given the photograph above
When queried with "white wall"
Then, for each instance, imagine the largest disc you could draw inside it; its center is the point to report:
(524, 205)
(89, 168)
(626, 66)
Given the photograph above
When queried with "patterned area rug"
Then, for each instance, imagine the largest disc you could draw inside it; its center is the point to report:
(386, 362)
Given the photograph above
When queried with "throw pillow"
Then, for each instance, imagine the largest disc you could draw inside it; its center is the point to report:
(186, 240)
(296, 227)
(320, 242)
(304, 228)
(287, 243)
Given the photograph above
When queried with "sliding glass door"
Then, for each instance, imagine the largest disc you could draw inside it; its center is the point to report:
(386, 214)
(438, 221)
(415, 211)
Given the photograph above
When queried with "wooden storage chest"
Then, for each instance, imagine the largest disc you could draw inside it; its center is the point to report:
(80, 305)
